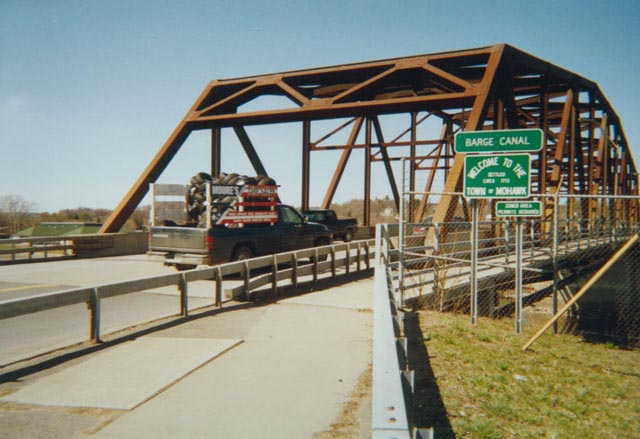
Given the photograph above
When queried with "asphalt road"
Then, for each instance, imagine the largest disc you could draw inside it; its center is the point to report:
(28, 335)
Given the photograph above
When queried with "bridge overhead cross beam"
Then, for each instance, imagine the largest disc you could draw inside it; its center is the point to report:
(584, 147)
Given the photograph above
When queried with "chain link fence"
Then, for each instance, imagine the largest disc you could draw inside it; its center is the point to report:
(519, 266)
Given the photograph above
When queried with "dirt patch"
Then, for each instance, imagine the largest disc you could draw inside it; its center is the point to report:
(354, 420)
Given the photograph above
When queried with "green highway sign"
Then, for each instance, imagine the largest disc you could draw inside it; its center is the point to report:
(529, 140)
(518, 208)
(497, 176)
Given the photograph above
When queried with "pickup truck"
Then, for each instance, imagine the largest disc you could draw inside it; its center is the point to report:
(343, 229)
(237, 233)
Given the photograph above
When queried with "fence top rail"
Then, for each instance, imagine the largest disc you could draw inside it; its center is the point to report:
(36, 239)
(549, 196)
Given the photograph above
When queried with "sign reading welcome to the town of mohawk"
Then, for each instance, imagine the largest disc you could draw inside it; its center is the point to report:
(524, 140)
(497, 176)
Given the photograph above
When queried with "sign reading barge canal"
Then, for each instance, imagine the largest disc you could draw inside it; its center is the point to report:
(497, 176)
(529, 140)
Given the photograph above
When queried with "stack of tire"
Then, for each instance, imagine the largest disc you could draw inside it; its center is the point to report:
(197, 197)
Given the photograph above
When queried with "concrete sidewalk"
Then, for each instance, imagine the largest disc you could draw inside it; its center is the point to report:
(290, 370)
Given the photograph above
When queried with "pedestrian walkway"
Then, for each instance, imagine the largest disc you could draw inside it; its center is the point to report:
(283, 370)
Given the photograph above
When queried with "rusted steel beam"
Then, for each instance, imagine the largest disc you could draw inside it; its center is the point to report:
(216, 151)
(453, 183)
(387, 163)
(249, 150)
(483, 88)
(306, 165)
(128, 205)
(367, 175)
(337, 175)
(327, 110)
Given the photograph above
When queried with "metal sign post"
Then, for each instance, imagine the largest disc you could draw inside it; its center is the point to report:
(475, 205)
(518, 314)
(499, 176)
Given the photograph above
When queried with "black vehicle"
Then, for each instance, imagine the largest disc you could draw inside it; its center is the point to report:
(343, 229)
(188, 247)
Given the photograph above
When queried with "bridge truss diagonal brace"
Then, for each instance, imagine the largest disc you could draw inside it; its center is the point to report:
(453, 183)
(128, 205)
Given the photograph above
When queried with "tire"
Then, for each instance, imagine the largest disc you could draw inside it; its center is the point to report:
(241, 253)
(348, 236)
(199, 197)
(220, 178)
(320, 243)
(183, 267)
(250, 181)
(267, 181)
(228, 178)
(200, 178)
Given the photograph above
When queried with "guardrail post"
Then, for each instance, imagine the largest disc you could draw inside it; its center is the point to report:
(315, 265)
(218, 294)
(367, 255)
(184, 297)
(333, 262)
(294, 270)
(274, 275)
(94, 322)
(347, 263)
(358, 253)
(246, 275)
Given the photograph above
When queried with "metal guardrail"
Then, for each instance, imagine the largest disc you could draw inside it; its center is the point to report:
(52, 247)
(251, 272)
(392, 379)
(538, 245)
(31, 248)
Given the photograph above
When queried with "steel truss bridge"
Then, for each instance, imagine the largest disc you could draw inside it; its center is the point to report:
(585, 150)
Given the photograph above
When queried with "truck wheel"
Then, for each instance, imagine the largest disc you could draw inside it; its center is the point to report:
(183, 267)
(348, 236)
(320, 243)
(241, 253)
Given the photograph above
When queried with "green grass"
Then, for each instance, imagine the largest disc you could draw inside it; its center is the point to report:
(561, 388)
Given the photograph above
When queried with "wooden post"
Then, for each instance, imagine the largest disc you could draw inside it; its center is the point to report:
(584, 289)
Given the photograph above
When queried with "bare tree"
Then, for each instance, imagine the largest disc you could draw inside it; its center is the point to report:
(15, 213)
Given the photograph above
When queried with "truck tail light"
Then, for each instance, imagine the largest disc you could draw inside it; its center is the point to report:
(208, 242)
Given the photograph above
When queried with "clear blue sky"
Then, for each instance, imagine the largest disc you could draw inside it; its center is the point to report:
(90, 90)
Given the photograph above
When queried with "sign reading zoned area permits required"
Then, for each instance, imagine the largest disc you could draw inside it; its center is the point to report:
(497, 176)
(518, 208)
(499, 141)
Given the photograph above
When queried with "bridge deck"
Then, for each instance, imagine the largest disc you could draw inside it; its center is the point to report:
(497, 269)
(301, 355)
